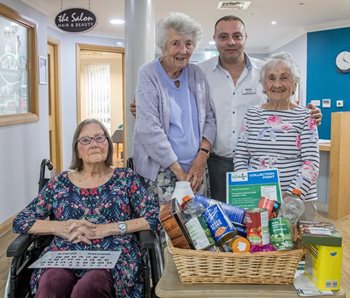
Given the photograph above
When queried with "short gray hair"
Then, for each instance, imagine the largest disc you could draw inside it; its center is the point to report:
(182, 24)
(77, 163)
(284, 58)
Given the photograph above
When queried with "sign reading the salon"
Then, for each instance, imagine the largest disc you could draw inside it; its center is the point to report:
(75, 20)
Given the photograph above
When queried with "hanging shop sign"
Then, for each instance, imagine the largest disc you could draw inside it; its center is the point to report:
(75, 20)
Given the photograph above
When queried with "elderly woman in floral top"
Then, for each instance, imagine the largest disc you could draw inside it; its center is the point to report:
(280, 134)
(93, 207)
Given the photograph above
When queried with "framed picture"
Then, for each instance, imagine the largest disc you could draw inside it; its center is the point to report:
(42, 70)
(18, 68)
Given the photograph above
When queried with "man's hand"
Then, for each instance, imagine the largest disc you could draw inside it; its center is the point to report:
(315, 113)
(133, 108)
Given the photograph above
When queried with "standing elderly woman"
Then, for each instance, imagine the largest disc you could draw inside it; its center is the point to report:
(281, 134)
(175, 125)
(93, 207)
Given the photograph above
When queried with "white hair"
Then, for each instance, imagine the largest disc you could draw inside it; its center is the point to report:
(182, 24)
(284, 58)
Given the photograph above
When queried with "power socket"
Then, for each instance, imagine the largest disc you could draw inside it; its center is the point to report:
(340, 103)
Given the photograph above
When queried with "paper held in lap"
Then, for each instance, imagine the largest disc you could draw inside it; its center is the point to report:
(78, 260)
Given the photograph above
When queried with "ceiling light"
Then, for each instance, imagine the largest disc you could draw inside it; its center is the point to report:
(212, 42)
(117, 21)
(273, 23)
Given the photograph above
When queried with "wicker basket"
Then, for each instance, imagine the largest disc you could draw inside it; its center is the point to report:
(276, 267)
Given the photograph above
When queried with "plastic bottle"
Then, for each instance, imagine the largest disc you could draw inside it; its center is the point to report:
(293, 207)
(196, 226)
(182, 188)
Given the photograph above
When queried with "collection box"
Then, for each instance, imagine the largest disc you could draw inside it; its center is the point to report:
(323, 266)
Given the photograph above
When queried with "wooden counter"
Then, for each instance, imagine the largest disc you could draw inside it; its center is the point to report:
(339, 166)
(170, 286)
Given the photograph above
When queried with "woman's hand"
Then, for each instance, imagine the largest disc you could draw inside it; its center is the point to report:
(76, 230)
(197, 171)
(315, 113)
(178, 171)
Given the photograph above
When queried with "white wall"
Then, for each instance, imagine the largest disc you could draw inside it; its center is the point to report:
(22, 146)
(298, 49)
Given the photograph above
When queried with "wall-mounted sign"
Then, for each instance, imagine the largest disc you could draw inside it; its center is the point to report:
(75, 20)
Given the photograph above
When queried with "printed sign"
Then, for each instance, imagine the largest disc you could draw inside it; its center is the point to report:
(244, 189)
(75, 20)
(78, 259)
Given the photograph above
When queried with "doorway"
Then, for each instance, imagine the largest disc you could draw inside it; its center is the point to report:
(54, 107)
(100, 87)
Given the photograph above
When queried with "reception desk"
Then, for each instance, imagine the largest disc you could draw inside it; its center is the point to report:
(334, 179)
(170, 286)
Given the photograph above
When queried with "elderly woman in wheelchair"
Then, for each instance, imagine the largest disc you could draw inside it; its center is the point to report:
(93, 207)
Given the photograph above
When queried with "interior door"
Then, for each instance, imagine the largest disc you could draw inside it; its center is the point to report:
(100, 83)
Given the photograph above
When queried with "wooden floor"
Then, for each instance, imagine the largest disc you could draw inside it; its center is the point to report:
(342, 225)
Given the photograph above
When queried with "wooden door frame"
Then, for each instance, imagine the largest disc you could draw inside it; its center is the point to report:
(97, 48)
(80, 47)
(58, 110)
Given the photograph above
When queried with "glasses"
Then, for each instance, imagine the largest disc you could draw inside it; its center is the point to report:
(88, 140)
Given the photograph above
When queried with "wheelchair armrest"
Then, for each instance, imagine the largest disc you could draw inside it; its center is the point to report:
(19, 245)
(148, 239)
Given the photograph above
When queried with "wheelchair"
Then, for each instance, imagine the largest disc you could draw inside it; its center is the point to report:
(25, 249)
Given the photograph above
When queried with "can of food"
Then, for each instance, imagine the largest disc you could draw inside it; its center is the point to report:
(267, 204)
(280, 231)
(241, 229)
(234, 213)
(257, 226)
(275, 209)
(220, 226)
(238, 244)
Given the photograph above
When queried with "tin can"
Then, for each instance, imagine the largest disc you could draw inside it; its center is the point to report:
(237, 244)
(241, 229)
(280, 231)
(267, 204)
(234, 213)
(219, 224)
(276, 209)
(257, 226)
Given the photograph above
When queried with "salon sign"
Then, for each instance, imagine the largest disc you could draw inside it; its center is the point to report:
(76, 20)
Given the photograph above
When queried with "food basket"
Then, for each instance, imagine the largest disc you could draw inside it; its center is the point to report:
(275, 267)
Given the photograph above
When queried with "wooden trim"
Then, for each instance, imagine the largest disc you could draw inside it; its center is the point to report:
(339, 186)
(54, 91)
(6, 226)
(97, 48)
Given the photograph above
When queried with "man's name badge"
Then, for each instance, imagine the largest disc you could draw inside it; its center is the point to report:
(246, 91)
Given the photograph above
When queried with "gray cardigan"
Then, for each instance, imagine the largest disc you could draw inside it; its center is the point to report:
(152, 149)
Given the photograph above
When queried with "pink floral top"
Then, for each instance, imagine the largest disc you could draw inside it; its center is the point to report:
(286, 140)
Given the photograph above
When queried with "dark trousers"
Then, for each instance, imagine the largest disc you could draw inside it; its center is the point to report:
(62, 283)
(218, 166)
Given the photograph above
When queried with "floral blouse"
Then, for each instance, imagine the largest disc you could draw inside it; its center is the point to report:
(286, 140)
(121, 198)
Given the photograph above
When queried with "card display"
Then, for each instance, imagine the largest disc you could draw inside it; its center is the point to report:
(78, 260)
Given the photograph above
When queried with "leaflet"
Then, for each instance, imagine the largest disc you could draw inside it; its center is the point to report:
(78, 260)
